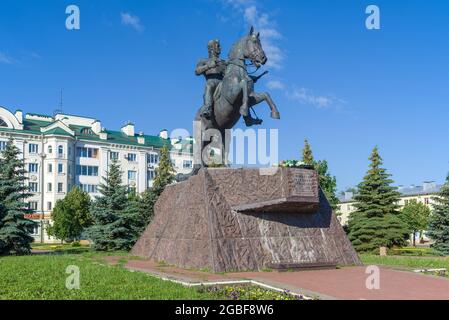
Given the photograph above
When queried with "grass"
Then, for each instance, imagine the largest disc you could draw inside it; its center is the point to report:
(407, 262)
(44, 277)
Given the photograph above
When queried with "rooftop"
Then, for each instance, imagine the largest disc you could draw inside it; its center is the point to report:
(428, 187)
(83, 128)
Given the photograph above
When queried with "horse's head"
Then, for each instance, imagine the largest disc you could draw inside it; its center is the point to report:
(249, 47)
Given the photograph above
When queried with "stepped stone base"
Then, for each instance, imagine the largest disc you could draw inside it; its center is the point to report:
(246, 219)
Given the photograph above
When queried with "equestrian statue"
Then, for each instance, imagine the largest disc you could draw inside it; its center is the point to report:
(229, 92)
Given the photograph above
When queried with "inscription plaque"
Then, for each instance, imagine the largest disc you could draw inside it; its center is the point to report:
(305, 183)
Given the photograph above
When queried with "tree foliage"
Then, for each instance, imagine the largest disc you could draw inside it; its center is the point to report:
(115, 216)
(439, 220)
(14, 227)
(165, 175)
(307, 155)
(416, 216)
(71, 215)
(375, 222)
(328, 183)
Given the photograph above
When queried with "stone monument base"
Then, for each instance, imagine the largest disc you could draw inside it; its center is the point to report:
(227, 219)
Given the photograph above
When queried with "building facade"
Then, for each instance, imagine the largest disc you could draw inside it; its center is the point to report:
(63, 151)
(423, 194)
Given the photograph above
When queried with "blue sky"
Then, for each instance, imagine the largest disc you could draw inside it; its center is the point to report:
(343, 87)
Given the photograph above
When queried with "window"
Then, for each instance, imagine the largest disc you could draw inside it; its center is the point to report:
(33, 186)
(32, 205)
(49, 187)
(32, 167)
(69, 169)
(89, 188)
(49, 206)
(70, 151)
(60, 151)
(153, 158)
(3, 123)
(34, 230)
(132, 175)
(86, 131)
(83, 152)
(60, 187)
(33, 148)
(151, 174)
(3, 145)
(49, 149)
(50, 168)
(187, 164)
(132, 157)
(60, 168)
(114, 155)
(86, 170)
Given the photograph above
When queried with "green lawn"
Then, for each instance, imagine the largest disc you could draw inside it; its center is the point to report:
(408, 262)
(44, 277)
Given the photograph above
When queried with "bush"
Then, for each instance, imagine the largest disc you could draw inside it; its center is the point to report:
(248, 293)
(417, 252)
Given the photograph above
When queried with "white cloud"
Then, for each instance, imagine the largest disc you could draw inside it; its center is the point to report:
(275, 85)
(262, 22)
(307, 97)
(6, 59)
(132, 21)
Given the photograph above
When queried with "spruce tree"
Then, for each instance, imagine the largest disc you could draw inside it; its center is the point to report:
(14, 227)
(376, 221)
(439, 220)
(328, 183)
(113, 222)
(165, 175)
(307, 156)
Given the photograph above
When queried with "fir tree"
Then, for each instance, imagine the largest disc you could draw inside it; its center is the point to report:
(114, 220)
(14, 227)
(328, 183)
(375, 222)
(165, 175)
(439, 220)
(307, 156)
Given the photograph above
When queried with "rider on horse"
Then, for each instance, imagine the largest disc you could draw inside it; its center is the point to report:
(213, 69)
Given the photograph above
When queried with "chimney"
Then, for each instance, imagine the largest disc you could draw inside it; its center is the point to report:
(429, 186)
(141, 138)
(128, 129)
(96, 127)
(19, 116)
(163, 134)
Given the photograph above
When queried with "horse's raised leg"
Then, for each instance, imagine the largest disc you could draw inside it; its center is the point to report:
(244, 109)
(256, 98)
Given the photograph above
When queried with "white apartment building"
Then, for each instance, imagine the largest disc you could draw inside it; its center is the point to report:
(423, 194)
(63, 151)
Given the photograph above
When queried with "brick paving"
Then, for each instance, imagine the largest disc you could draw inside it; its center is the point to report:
(344, 283)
